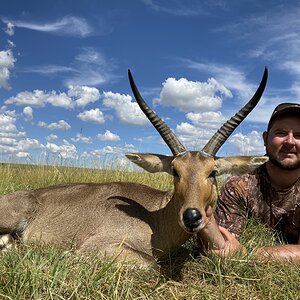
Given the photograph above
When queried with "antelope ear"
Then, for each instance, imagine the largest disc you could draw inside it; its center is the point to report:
(237, 165)
(151, 162)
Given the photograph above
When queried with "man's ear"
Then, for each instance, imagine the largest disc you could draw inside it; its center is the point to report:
(237, 165)
(151, 162)
(265, 136)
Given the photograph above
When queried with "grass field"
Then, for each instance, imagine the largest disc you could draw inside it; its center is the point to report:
(36, 272)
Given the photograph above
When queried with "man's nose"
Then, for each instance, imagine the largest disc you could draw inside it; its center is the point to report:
(290, 139)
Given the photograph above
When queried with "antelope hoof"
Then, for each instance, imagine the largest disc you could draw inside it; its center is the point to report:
(192, 218)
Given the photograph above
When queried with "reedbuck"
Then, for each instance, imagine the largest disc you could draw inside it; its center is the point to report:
(132, 221)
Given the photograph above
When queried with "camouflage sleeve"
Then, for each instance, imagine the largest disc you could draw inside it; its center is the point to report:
(231, 210)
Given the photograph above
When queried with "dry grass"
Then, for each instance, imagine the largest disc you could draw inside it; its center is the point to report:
(38, 272)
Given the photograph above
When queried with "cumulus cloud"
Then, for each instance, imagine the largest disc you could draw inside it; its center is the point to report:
(209, 119)
(112, 151)
(7, 63)
(193, 96)
(39, 98)
(70, 25)
(60, 125)
(7, 123)
(92, 116)
(79, 138)
(51, 137)
(231, 77)
(108, 136)
(127, 111)
(195, 135)
(65, 151)
(83, 95)
(12, 141)
(76, 96)
(28, 113)
(249, 144)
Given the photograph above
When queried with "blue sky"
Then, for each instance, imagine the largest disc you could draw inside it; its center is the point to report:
(63, 74)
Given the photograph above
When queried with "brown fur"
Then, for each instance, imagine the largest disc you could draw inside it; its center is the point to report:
(132, 221)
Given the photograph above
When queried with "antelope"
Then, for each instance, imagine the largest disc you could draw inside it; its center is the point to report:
(133, 222)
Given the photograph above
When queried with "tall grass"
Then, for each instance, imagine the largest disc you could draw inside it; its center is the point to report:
(38, 272)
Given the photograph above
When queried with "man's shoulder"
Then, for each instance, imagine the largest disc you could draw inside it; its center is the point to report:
(247, 178)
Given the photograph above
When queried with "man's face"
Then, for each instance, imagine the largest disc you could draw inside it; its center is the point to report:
(283, 143)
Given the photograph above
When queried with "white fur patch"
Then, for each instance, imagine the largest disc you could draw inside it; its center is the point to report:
(6, 242)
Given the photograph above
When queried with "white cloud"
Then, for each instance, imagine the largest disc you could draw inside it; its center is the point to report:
(249, 144)
(60, 125)
(210, 119)
(108, 136)
(27, 144)
(7, 62)
(194, 136)
(91, 68)
(109, 150)
(7, 123)
(10, 29)
(127, 111)
(232, 78)
(48, 69)
(76, 96)
(51, 137)
(12, 141)
(83, 94)
(59, 100)
(69, 25)
(19, 148)
(39, 98)
(93, 116)
(28, 113)
(191, 136)
(183, 8)
(66, 150)
(11, 44)
(82, 139)
(7, 141)
(193, 96)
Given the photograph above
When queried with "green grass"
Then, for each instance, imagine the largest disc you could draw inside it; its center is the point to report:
(37, 272)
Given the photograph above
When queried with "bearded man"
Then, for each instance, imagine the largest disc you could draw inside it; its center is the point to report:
(270, 193)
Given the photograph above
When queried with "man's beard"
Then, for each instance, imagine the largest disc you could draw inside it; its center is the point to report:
(273, 158)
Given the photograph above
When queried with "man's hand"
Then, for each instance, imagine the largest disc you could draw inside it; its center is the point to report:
(231, 246)
(218, 239)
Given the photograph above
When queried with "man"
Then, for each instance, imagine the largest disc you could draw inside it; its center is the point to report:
(271, 193)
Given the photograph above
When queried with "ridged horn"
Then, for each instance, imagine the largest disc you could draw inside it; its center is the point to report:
(219, 138)
(165, 132)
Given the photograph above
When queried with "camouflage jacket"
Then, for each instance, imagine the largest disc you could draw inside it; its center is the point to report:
(252, 195)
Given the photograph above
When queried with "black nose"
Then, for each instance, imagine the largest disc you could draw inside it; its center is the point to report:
(192, 218)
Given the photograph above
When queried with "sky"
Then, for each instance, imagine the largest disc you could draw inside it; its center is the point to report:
(64, 91)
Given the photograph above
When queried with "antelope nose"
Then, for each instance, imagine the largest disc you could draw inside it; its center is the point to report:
(192, 218)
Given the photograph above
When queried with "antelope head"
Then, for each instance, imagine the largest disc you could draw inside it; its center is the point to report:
(195, 171)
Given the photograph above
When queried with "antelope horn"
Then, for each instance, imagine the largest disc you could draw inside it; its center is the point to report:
(219, 138)
(165, 132)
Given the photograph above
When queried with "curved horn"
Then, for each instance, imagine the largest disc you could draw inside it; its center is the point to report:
(165, 132)
(219, 138)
